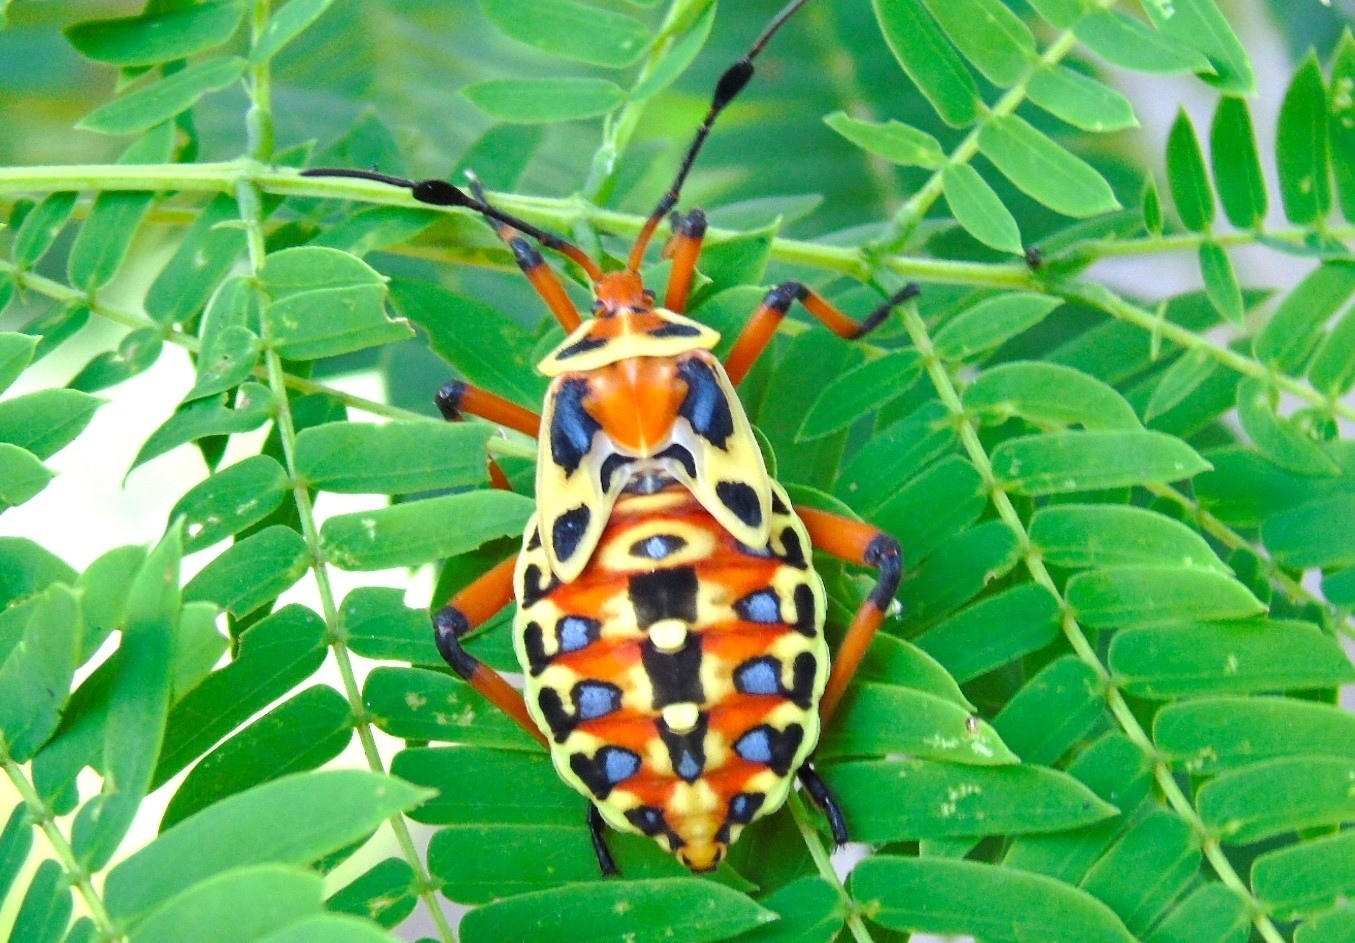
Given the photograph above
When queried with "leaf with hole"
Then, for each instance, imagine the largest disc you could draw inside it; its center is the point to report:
(323, 302)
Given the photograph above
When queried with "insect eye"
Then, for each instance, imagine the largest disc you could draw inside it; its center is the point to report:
(598, 306)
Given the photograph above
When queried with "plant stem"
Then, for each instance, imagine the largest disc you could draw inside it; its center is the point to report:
(65, 854)
(824, 863)
(1072, 630)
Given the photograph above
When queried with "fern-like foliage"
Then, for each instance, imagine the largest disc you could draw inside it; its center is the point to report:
(1107, 706)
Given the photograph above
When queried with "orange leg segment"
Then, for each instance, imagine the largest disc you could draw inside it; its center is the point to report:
(856, 543)
(762, 326)
(457, 397)
(473, 606)
(685, 248)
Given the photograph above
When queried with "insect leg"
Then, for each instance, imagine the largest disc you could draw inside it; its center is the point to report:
(597, 828)
(823, 798)
(473, 606)
(457, 397)
(855, 542)
(688, 233)
(762, 326)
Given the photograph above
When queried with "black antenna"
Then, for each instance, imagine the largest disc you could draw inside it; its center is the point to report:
(442, 193)
(729, 86)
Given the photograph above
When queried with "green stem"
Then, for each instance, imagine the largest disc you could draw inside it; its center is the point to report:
(1072, 630)
(79, 877)
(1187, 241)
(824, 863)
(259, 118)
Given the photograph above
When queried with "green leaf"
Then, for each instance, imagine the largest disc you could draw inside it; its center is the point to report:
(228, 359)
(896, 800)
(893, 141)
(481, 863)
(979, 210)
(885, 720)
(1212, 913)
(16, 353)
(1252, 655)
(135, 353)
(1302, 149)
(392, 458)
(894, 661)
(16, 841)
(414, 704)
(46, 906)
(1143, 872)
(1237, 165)
(858, 392)
(1200, 25)
(1054, 710)
(1341, 122)
(958, 571)
(904, 448)
(652, 911)
(574, 31)
(811, 910)
(1132, 44)
(1187, 177)
(152, 104)
(1306, 878)
(1081, 101)
(252, 571)
(544, 101)
(1279, 439)
(1315, 534)
(204, 258)
(21, 475)
(277, 896)
(280, 818)
(1152, 206)
(929, 59)
(379, 625)
(1147, 595)
(1088, 461)
(995, 903)
(231, 500)
(302, 733)
(990, 35)
(138, 704)
(1048, 393)
(323, 302)
(153, 38)
(1288, 338)
(273, 656)
(386, 893)
(209, 417)
(102, 244)
(1179, 381)
(1208, 735)
(966, 644)
(36, 674)
(681, 54)
(1333, 926)
(1061, 13)
(1240, 808)
(420, 531)
(329, 928)
(1044, 170)
(469, 783)
(285, 25)
(1332, 369)
(26, 569)
(46, 421)
(41, 227)
(1083, 536)
(991, 323)
(933, 507)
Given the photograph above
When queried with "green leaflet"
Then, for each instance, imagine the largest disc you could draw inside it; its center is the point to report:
(571, 30)
(929, 59)
(533, 101)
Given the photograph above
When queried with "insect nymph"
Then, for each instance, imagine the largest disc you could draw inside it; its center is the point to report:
(670, 623)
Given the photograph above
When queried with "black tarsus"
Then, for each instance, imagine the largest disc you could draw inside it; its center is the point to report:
(886, 555)
(877, 317)
(597, 829)
(448, 399)
(450, 625)
(823, 798)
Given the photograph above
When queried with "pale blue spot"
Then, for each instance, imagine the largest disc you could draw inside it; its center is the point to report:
(687, 767)
(755, 746)
(758, 677)
(574, 633)
(620, 765)
(595, 700)
(738, 809)
(763, 606)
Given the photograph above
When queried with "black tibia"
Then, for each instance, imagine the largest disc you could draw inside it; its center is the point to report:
(597, 828)
(818, 791)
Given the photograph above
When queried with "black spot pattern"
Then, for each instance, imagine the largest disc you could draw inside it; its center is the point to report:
(657, 546)
(682, 457)
(779, 506)
(806, 622)
(794, 553)
(648, 819)
(742, 809)
(664, 594)
(581, 346)
(534, 641)
(676, 330)
(705, 406)
(557, 718)
(610, 466)
(676, 676)
(571, 428)
(687, 751)
(802, 673)
(604, 769)
(771, 747)
(742, 500)
(568, 530)
(532, 590)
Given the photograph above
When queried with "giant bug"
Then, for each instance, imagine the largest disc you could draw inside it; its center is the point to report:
(670, 624)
